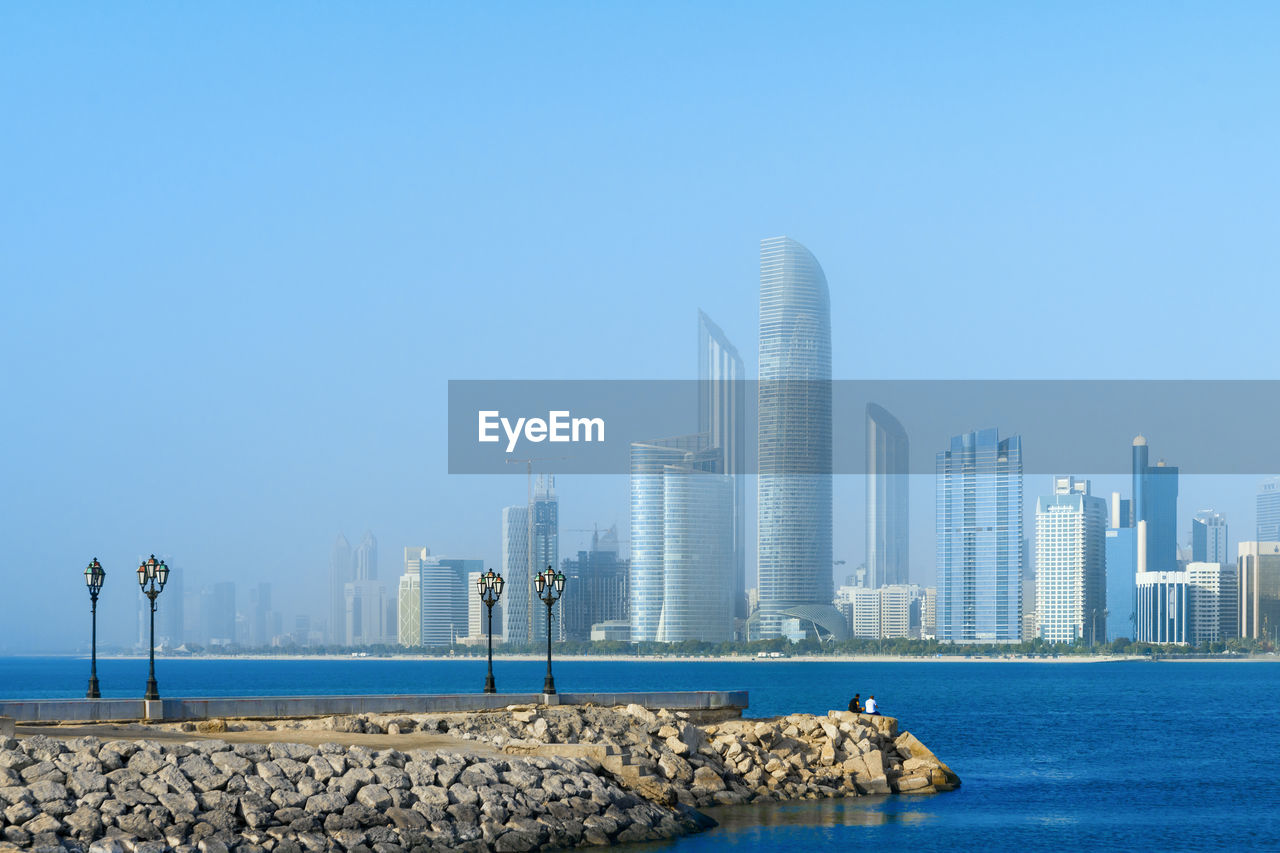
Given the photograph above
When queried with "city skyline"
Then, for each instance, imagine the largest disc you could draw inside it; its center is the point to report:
(278, 270)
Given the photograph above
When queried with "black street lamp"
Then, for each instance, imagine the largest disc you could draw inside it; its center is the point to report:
(550, 586)
(152, 571)
(94, 576)
(489, 586)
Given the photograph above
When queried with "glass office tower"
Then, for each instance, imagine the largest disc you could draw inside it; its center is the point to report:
(681, 576)
(979, 539)
(1209, 537)
(794, 441)
(1155, 501)
(1268, 506)
(888, 467)
(721, 415)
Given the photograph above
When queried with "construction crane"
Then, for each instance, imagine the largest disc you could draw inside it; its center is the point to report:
(594, 531)
(529, 536)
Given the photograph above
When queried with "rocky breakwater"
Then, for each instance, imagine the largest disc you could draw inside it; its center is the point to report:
(211, 796)
(669, 758)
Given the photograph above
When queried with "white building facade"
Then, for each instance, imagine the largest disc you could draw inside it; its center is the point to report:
(1071, 563)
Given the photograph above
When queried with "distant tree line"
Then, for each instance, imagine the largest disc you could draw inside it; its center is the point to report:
(897, 647)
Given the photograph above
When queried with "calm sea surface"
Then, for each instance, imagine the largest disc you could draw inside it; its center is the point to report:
(1123, 756)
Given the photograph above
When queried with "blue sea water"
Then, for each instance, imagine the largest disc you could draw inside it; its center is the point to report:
(1067, 756)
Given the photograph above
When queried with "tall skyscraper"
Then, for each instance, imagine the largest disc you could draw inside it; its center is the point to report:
(409, 598)
(478, 614)
(545, 527)
(1213, 590)
(170, 620)
(218, 613)
(260, 615)
(1268, 506)
(1122, 568)
(443, 603)
(1209, 537)
(515, 573)
(979, 539)
(888, 508)
(597, 589)
(366, 558)
(365, 613)
(682, 561)
(721, 415)
(340, 574)
(1071, 572)
(1259, 586)
(1155, 501)
(794, 444)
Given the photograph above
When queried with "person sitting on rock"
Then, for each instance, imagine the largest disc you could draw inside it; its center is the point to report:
(872, 708)
(855, 704)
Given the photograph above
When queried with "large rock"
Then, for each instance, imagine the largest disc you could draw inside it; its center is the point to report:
(706, 779)
(875, 782)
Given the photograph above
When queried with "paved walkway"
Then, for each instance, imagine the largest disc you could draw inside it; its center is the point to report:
(311, 737)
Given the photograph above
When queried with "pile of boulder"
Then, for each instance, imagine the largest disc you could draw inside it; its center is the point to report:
(669, 758)
(209, 796)
(523, 778)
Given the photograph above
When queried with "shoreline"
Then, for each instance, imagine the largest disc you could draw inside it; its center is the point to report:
(1063, 659)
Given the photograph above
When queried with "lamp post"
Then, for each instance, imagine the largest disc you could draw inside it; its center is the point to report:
(489, 586)
(550, 586)
(150, 573)
(94, 576)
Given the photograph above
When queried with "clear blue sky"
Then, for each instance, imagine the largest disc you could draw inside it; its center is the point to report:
(243, 248)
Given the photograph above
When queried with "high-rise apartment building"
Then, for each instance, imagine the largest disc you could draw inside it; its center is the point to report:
(1268, 507)
(979, 539)
(794, 444)
(888, 507)
(1213, 591)
(1259, 579)
(1071, 572)
(1209, 537)
(722, 416)
(929, 613)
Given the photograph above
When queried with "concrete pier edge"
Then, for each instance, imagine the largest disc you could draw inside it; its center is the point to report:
(265, 707)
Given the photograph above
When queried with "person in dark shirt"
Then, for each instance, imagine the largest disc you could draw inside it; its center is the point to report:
(855, 704)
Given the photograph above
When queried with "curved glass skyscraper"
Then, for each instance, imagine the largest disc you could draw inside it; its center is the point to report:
(682, 556)
(794, 491)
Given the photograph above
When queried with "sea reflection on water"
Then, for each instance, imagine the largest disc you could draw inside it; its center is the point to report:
(796, 825)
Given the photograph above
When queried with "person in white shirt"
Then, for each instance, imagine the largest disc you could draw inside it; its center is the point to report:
(871, 706)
